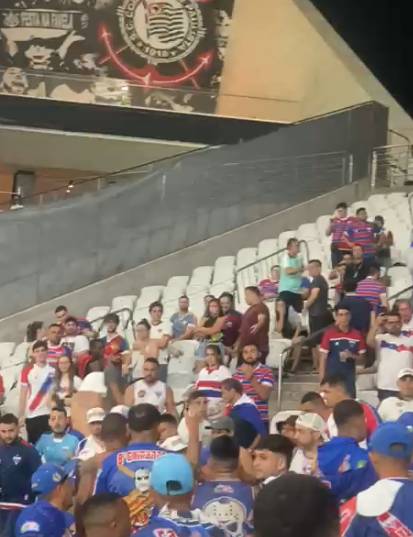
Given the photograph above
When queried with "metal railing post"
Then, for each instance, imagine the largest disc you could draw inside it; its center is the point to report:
(350, 168)
(373, 176)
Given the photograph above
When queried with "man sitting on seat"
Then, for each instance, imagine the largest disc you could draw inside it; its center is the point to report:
(393, 407)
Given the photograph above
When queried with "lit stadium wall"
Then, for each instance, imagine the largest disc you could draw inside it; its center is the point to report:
(171, 52)
(263, 59)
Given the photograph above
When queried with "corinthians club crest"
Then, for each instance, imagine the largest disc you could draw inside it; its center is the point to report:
(161, 31)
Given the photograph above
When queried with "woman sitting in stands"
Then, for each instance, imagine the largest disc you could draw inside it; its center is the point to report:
(66, 383)
(209, 330)
(209, 381)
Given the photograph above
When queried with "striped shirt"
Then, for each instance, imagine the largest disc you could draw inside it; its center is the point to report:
(264, 376)
(54, 352)
(362, 233)
(339, 227)
(371, 289)
(210, 380)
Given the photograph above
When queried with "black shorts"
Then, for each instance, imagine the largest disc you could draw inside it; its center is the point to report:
(294, 300)
(318, 323)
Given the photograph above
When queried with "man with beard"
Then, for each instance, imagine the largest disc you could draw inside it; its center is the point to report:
(256, 378)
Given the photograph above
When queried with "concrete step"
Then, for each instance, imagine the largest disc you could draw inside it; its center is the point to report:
(293, 389)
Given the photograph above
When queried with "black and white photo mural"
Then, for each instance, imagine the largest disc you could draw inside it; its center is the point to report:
(166, 54)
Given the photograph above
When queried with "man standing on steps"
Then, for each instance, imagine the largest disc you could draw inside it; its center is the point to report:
(341, 347)
(317, 306)
(35, 384)
(292, 269)
(255, 323)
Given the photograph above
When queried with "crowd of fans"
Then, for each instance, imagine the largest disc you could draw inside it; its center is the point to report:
(100, 447)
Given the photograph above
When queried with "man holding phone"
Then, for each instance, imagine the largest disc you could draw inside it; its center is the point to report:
(394, 352)
(341, 347)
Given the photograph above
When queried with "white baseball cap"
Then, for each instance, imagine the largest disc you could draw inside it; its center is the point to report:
(174, 443)
(405, 372)
(95, 415)
(123, 410)
(312, 421)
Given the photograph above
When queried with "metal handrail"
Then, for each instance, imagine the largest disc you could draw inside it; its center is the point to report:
(396, 295)
(121, 310)
(79, 181)
(309, 338)
(409, 201)
(302, 241)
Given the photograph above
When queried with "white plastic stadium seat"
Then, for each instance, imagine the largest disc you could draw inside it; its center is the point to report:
(183, 364)
(285, 236)
(307, 232)
(224, 270)
(201, 276)
(178, 282)
(246, 274)
(322, 223)
(149, 294)
(6, 349)
(121, 302)
(399, 273)
(378, 203)
(366, 382)
(395, 199)
(95, 316)
(20, 352)
(277, 346)
(266, 252)
(368, 396)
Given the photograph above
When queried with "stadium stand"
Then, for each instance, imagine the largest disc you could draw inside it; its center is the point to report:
(229, 274)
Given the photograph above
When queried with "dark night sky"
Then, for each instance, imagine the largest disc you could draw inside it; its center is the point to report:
(381, 34)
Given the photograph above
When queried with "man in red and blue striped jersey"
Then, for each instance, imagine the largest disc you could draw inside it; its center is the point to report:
(339, 224)
(373, 290)
(54, 347)
(256, 379)
(362, 232)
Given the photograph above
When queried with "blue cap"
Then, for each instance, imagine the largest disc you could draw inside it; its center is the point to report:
(406, 419)
(172, 475)
(47, 477)
(393, 440)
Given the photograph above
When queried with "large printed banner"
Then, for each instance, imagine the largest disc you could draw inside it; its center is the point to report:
(166, 54)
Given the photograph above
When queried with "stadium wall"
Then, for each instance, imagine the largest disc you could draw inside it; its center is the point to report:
(156, 272)
(60, 247)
